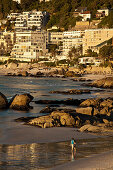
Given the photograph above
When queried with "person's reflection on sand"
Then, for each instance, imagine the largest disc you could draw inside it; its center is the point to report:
(73, 155)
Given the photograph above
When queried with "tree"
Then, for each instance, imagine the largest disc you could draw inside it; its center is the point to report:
(106, 52)
(74, 53)
(91, 53)
(107, 21)
(34, 28)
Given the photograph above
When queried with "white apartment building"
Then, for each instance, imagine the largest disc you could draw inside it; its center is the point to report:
(104, 11)
(71, 39)
(56, 37)
(19, 1)
(7, 41)
(94, 38)
(86, 15)
(12, 16)
(30, 45)
(27, 20)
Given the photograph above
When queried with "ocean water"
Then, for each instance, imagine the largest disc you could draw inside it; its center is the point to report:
(41, 156)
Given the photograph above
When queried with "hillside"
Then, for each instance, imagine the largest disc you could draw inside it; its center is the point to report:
(61, 12)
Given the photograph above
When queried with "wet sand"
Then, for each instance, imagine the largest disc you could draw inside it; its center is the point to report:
(23, 134)
(96, 162)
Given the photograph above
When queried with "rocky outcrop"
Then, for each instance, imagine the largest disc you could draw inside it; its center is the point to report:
(12, 66)
(47, 109)
(70, 101)
(22, 73)
(72, 74)
(91, 102)
(21, 102)
(55, 119)
(73, 91)
(105, 83)
(3, 101)
(85, 110)
(104, 127)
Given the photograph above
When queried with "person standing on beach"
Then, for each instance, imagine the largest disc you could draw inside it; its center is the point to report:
(73, 143)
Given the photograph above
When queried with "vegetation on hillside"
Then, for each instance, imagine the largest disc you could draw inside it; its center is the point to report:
(107, 22)
(61, 12)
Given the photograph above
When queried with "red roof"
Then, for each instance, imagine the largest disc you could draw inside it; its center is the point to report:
(86, 12)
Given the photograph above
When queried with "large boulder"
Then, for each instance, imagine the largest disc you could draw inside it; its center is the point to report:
(55, 119)
(105, 82)
(107, 103)
(21, 102)
(23, 65)
(12, 66)
(22, 73)
(91, 102)
(85, 110)
(3, 101)
(89, 128)
(71, 74)
(65, 118)
(102, 127)
(43, 122)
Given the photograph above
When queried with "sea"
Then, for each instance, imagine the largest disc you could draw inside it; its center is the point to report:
(33, 156)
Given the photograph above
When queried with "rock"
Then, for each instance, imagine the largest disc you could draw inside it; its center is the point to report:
(105, 111)
(105, 121)
(89, 128)
(40, 121)
(105, 82)
(47, 109)
(61, 71)
(21, 102)
(71, 74)
(12, 66)
(3, 101)
(55, 119)
(23, 66)
(65, 118)
(23, 73)
(85, 110)
(92, 102)
(73, 91)
(107, 103)
(39, 74)
(24, 119)
(69, 101)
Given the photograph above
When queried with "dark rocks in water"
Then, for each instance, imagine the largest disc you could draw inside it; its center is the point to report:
(47, 109)
(81, 79)
(24, 119)
(21, 102)
(22, 73)
(70, 101)
(55, 119)
(91, 102)
(3, 101)
(73, 91)
(103, 83)
(94, 112)
(72, 74)
(38, 74)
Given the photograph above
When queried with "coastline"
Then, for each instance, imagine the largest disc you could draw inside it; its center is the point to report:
(103, 161)
(23, 134)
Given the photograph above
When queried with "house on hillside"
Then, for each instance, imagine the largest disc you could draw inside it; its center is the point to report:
(82, 11)
(90, 60)
(86, 15)
(102, 12)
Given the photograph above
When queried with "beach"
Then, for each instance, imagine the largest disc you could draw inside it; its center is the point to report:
(102, 161)
(16, 133)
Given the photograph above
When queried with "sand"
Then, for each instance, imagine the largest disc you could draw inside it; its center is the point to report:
(102, 161)
(22, 134)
